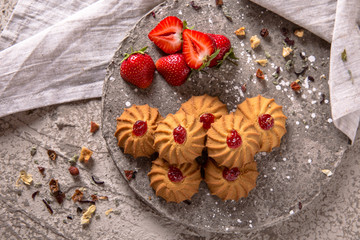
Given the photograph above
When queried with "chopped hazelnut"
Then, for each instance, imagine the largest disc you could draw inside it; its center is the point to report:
(299, 33)
(262, 62)
(286, 51)
(240, 31)
(254, 41)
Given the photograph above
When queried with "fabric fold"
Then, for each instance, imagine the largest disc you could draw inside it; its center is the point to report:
(57, 64)
(344, 78)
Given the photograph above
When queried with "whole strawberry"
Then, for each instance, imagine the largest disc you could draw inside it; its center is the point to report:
(173, 68)
(138, 68)
(223, 44)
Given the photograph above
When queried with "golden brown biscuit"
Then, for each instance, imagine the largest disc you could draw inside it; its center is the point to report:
(232, 142)
(135, 130)
(205, 108)
(179, 138)
(174, 183)
(268, 119)
(230, 184)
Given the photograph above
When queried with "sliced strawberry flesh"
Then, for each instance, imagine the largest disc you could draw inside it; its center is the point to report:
(197, 47)
(167, 34)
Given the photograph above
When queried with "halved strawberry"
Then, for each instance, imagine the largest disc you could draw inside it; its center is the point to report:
(222, 43)
(197, 48)
(167, 34)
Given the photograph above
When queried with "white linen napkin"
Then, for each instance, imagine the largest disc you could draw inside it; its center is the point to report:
(67, 60)
(56, 52)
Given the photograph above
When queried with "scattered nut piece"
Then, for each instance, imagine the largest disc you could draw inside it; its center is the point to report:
(94, 127)
(323, 77)
(254, 41)
(299, 33)
(108, 211)
(262, 62)
(286, 51)
(85, 218)
(85, 154)
(240, 31)
(25, 178)
(295, 86)
(327, 172)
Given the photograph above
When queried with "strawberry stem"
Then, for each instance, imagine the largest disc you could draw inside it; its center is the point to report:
(127, 55)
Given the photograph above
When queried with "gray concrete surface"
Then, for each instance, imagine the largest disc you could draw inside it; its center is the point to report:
(65, 128)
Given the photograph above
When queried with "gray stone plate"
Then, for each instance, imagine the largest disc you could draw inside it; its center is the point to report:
(290, 174)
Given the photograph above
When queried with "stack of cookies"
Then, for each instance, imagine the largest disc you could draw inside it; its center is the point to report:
(202, 122)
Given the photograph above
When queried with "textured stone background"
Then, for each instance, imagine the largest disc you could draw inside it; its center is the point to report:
(64, 128)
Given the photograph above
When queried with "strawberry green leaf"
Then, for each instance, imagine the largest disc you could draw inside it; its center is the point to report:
(127, 55)
(228, 55)
(209, 59)
(185, 25)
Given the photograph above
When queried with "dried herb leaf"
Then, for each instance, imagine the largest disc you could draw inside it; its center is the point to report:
(42, 170)
(295, 86)
(77, 196)
(34, 194)
(25, 178)
(94, 127)
(52, 154)
(196, 7)
(344, 56)
(219, 3)
(85, 218)
(96, 180)
(351, 77)
(55, 191)
(107, 212)
(33, 151)
(48, 206)
(129, 174)
(85, 155)
(262, 62)
(267, 55)
(289, 65)
(327, 172)
(260, 74)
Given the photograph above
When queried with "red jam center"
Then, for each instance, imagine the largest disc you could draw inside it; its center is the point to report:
(139, 128)
(231, 174)
(266, 121)
(233, 139)
(207, 119)
(174, 174)
(179, 134)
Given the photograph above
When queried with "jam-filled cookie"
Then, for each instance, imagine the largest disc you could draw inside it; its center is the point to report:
(232, 142)
(174, 183)
(230, 184)
(179, 138)
(205, 108)
(135, 130)
(268, 119)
